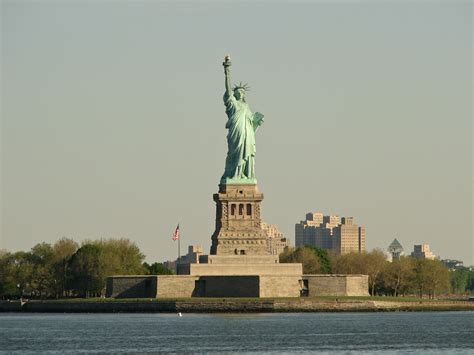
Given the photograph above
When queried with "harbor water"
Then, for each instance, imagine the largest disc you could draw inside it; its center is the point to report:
(394, 332)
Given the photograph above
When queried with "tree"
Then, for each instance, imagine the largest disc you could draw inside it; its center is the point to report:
(63, 250)
(397, 276)
(48, 271)
(370, 264)
(420, 279)
(437, 277)
(431, 276)
(374, 263)
(351, 263)
(323, 258)
(95, 260)
(470, 286)
(459, 280)
(42, 280)
(88, 271)
(20, 272)
(157, 269)
(304, 256)
(8, 287)
(121, 256)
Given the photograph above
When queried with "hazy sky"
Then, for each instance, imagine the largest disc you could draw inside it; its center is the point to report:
(113, 120)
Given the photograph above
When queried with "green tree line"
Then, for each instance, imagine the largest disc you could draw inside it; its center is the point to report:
(66, 269)
(401, 277)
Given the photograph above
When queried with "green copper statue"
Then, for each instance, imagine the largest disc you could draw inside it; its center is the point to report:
(242, 125)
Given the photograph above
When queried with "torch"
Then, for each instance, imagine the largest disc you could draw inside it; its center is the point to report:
(226, 62)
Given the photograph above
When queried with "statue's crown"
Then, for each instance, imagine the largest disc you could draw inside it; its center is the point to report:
(242, 86)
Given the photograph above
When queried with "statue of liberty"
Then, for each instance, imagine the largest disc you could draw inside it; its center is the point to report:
(242, 125)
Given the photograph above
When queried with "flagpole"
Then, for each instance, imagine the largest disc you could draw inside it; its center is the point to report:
(179, 249)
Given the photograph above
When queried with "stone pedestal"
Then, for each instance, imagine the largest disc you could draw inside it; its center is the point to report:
(294, 270)
(238, 221)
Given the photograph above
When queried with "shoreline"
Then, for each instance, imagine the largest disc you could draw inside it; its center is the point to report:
(230, 306)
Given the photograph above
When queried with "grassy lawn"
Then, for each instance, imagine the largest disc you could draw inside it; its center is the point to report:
(372, 298)
(238, 299)
(186, 299)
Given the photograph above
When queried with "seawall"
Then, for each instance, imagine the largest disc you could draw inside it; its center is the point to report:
(230, 305)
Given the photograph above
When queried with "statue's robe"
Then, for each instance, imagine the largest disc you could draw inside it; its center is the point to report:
(240, 139)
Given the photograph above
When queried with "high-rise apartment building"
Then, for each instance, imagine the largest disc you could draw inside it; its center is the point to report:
(422, 251)
(276, 242)
(312, 221)
(341, 235)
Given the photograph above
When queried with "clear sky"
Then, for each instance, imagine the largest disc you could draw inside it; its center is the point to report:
(113, 120)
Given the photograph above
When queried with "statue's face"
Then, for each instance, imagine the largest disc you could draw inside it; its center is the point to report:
(239, 94)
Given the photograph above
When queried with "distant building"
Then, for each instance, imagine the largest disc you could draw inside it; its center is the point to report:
(170, 265)
(276, 242)
(340, 235)
(422, 251)
(194, 252)
(453, 264)
(395, 250)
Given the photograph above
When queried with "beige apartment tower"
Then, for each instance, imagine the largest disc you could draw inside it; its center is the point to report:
(276, 242)
(340, 235)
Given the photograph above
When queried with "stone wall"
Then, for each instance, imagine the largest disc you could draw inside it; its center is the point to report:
(208, 262)
(132, 286)
(337, 285)
(357, 285)
(172, 286)
(183, 286)
(242, 259)
(325, 285)
(274, 284)
(228, 286)
(280, 286)
(245, 269)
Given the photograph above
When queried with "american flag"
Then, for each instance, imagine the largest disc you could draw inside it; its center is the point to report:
(176, 233)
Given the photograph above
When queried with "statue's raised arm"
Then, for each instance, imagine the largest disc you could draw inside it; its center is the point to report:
(228, 85)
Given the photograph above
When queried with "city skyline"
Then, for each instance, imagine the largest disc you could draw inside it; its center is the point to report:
(367, 114)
